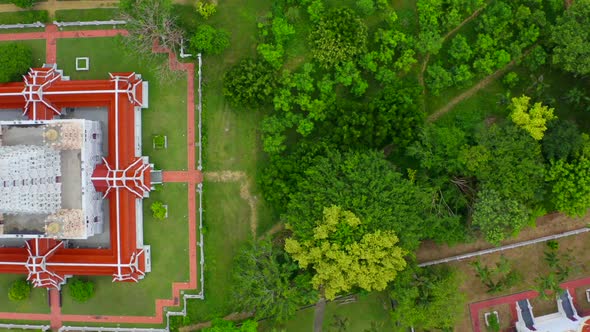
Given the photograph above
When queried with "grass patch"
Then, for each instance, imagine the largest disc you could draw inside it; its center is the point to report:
(95, 14)
(36, 303)
(166, 114)
(169, 249)
(227, 227)
(37, 47)
(29, 16)
(368, 311)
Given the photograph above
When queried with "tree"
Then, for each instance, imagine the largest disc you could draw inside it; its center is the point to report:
(533, 119)
(265, 281)
(80, 290)
(344, 256)
(149, 22)
(498, 217)
(571, 39)
(460, 49)
(220, 325)
(208, 40)
(369, 187)
(570, 192)
(513, 164)
(249, 83)
(438, 78)
(339, 36)
(19, 290)
(438, 149)
(562, 140)
(427, 299)
(365, 7)
(15, 61)
(394, 116)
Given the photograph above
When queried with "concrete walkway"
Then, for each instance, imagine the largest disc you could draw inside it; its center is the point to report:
(192, 176)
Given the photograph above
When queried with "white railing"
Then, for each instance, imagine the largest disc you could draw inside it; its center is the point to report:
(25, 327)
(89, 23)
(506, 247)
(22, 25)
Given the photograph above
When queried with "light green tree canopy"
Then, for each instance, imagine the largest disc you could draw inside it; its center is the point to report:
(532, 119)
(344, 256)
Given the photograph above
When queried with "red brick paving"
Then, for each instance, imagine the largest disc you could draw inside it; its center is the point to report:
(192, 177)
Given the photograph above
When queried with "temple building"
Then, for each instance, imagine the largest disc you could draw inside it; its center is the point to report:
(72, 177)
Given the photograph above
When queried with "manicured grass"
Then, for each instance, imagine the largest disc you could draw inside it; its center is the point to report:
(37, 302)
(37, 48)
(369, 311)
(29, 16)
(95, 14)
(169, 258)
(227, 224)
(166, 114)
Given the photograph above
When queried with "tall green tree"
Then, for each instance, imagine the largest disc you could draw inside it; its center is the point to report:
(498, 217)
(265, 281)
(339, 36)
(367, 185)
(513, 164)
(344, 256)
(572, 40)
(15, 61)
(427, 298)
(570, 181)
(250, 83)
(562, 140)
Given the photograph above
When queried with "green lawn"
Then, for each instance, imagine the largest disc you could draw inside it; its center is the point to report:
(29, 16)
(37, 303)
(369, 311)
(227, 224)
(169, 249)
(37, 47)
(95, 14)
(166, 114)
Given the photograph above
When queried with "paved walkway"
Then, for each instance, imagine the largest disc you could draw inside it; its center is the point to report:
(192, 177)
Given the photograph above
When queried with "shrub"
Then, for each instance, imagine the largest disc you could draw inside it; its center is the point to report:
(158, 210)
(208, 40)
(19, 290)
(23, 3)
(80, 290)
(494, 324)
(160, 141)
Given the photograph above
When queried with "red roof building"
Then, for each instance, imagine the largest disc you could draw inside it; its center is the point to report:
(119, 176)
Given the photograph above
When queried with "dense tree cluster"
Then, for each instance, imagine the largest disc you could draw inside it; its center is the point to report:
(15, 61)
(360, 178)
